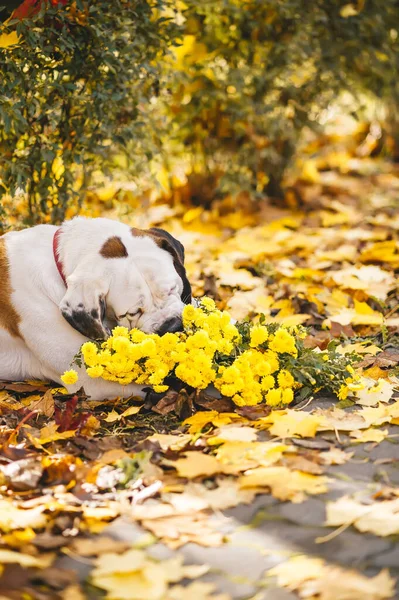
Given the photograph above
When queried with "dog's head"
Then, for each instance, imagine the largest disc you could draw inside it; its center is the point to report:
(144, 286)
(151, 289)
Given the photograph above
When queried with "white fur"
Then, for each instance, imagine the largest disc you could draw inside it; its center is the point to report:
(146, 279)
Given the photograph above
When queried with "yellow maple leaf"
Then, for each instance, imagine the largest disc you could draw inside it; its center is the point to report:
(25, 560)
(369, 435)
(9, 39)
(48, 434)
(380, 518)
(169, 441)
(290, 423)
(239, 456)
(284, 484)
(196, 464)
(374, 391)
(114, 416)
(198, 421)
(314, 578)
(135, 576)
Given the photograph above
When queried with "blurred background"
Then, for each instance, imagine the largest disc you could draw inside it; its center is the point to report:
(215, 104)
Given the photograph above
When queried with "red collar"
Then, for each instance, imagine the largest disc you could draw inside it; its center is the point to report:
(58, 262)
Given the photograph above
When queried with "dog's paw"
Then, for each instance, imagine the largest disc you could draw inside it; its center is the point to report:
(87, 319)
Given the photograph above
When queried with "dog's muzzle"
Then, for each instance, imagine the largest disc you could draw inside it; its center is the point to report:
(171, 326)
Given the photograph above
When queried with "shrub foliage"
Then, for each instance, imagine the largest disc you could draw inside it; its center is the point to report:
(70, 91)
(230, 100)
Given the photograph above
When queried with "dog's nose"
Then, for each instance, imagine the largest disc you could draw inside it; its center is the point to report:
(171, 326)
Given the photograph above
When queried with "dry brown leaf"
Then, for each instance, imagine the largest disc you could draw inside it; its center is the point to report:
(175, 531)
(98, 545)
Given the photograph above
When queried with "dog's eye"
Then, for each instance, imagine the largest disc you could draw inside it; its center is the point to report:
(138, 312)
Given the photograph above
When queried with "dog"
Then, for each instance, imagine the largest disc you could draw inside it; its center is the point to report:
(61, 286)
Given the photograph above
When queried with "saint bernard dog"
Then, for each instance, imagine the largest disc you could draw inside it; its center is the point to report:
(60, 286)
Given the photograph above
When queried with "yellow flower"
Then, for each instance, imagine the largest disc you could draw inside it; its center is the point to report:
(343, 392)
(285, 379)
(95, 371)
(121, 344)
(69, 377)
(287, 396)
(274, 397)
(267, 382)
(137, 336)
(189, 314)
(283, 342)
(120, 332)
(350, 369)
(230, 332)
(208, 303)
(88, 349)
(272, 359)
(89, 352)
(160, 388)
(259, 335)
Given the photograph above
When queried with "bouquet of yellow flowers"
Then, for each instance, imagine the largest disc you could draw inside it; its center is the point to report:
(247, 362)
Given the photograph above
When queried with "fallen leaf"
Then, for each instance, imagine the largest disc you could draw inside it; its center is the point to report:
(380, 518)
(48, 434)
(12, 517)
(197, 464)
(175, 531)
(114, 416)
(314, 578)
(283, 483)
(236, 456)
(45, 404)
(98, 545)
(169, 441)
(197, 590)
(136, 576)
(233, 432)
(290, 423)
(369, 435)
(374, 392)
(25, 560)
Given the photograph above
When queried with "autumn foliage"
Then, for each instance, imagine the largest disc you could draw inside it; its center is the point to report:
(218, 92)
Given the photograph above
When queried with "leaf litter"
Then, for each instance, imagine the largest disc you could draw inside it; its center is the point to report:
(69, 466)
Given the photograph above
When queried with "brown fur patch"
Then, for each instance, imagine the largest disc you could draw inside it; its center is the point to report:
(113, 248)
(9, 318)
(140, 232)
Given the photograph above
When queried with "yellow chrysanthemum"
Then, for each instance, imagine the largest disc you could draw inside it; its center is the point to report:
(287, 396)
(120, 332)
(69, 377)
(274, 397)
(285, 379)
(208, 303)
(95, 371)
(259, 335)
(283, 342)
(189, 314)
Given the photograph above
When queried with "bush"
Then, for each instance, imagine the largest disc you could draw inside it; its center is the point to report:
(229, 104)
(250, 75)
(70, 93)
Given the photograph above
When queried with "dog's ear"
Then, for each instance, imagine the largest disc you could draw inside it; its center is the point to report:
(167, 242)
